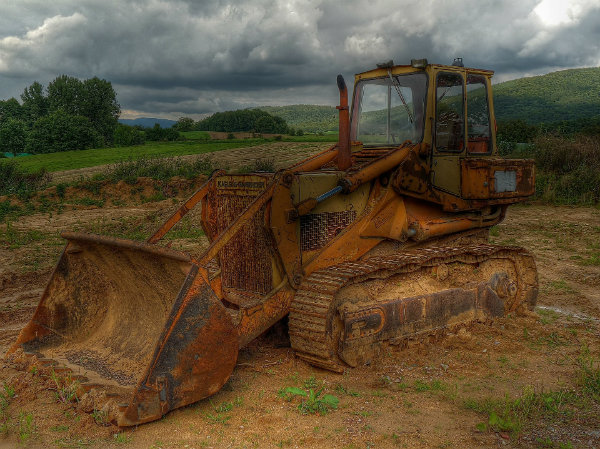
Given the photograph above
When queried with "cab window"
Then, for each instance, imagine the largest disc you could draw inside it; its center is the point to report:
(449, 112)
(478, 116)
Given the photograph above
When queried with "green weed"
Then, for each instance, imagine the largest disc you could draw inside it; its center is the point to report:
(86, 201)
(66, 389)
(547, 316)
(311, 382)
(593, 259)
(219, 413)
(99, 417)
(343, 390)
(313, 402)
(511, 415)
(26, 426)
(121, 437)
(561, 286)
(14, 180)
(435, 385)
(589, 374)
(14, 238)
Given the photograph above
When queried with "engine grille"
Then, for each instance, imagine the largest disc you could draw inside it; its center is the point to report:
(318, 229)
(245, 261)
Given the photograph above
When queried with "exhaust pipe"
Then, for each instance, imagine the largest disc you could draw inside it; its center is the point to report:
(344, 159)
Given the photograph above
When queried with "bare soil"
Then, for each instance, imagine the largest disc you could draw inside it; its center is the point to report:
(427, 395)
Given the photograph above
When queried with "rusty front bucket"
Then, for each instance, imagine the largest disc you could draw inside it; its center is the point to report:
(136, 324)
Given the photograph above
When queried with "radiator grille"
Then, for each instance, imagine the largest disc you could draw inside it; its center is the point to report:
(318, 229)
(245, 261)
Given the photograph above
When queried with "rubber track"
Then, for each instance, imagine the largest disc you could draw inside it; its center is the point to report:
(313, 303)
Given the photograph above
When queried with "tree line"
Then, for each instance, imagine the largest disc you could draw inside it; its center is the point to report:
(69, 114)
(241, 120)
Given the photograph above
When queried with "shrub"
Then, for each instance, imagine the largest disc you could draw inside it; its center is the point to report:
(12, 136)
(157, 168)
(158, 134)
(184, 124)
(568, 169)
(60, 131)
(14, 180)
(128, 135)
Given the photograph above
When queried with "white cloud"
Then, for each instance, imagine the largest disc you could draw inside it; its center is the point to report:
(176, 56)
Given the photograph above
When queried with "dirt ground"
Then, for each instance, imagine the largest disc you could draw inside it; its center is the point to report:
(428, 395)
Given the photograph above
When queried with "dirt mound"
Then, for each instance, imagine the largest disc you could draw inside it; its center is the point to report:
(93, 194)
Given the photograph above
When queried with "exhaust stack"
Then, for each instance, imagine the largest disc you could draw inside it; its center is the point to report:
(344, 159)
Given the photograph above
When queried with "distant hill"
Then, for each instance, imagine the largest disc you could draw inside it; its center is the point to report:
(147, 122)
(565, 95)
(307, 117)
(559, 96)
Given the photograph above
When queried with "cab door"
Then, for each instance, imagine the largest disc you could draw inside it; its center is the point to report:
(449, 131)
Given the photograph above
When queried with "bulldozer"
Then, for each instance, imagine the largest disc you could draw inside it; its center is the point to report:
(378, 240)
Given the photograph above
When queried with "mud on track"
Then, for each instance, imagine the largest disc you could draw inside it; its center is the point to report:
(427, 395)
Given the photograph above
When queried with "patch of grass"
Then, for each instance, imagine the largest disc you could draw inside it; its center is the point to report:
(311, 382)
(8, 392)
(100, 417)
(15, 180)
(13, 238)
(26, 426)
(313, 402)
(185, 230)
(121, 438)
(220, 412)
(494, 231)
(553, 340)
(567, 170)
(435, 385)
(196, 135)
(593, 259)
(69, 160)
(511, 415)
(561, 286)
(161, 169)
(65, 388)
(589, 374)
(343, 390)
(7, 210)
(547, 316)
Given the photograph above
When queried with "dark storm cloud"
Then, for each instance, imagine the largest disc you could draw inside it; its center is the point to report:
(190, 57)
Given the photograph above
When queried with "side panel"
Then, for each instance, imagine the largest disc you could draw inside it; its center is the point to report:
(497, 178)
(446, 174)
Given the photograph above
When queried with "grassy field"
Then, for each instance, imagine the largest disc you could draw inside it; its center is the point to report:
(196, 143)
(69, 160)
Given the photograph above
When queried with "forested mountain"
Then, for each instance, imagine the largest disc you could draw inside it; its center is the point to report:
(558, 96)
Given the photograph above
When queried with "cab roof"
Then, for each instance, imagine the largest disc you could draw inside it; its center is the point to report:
(401, 69)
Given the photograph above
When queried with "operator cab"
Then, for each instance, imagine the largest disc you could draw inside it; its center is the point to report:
(391, 105)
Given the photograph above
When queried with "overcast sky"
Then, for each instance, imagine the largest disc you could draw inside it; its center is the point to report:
(168, 58)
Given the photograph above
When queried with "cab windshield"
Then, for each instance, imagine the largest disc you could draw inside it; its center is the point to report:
(389, 110)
